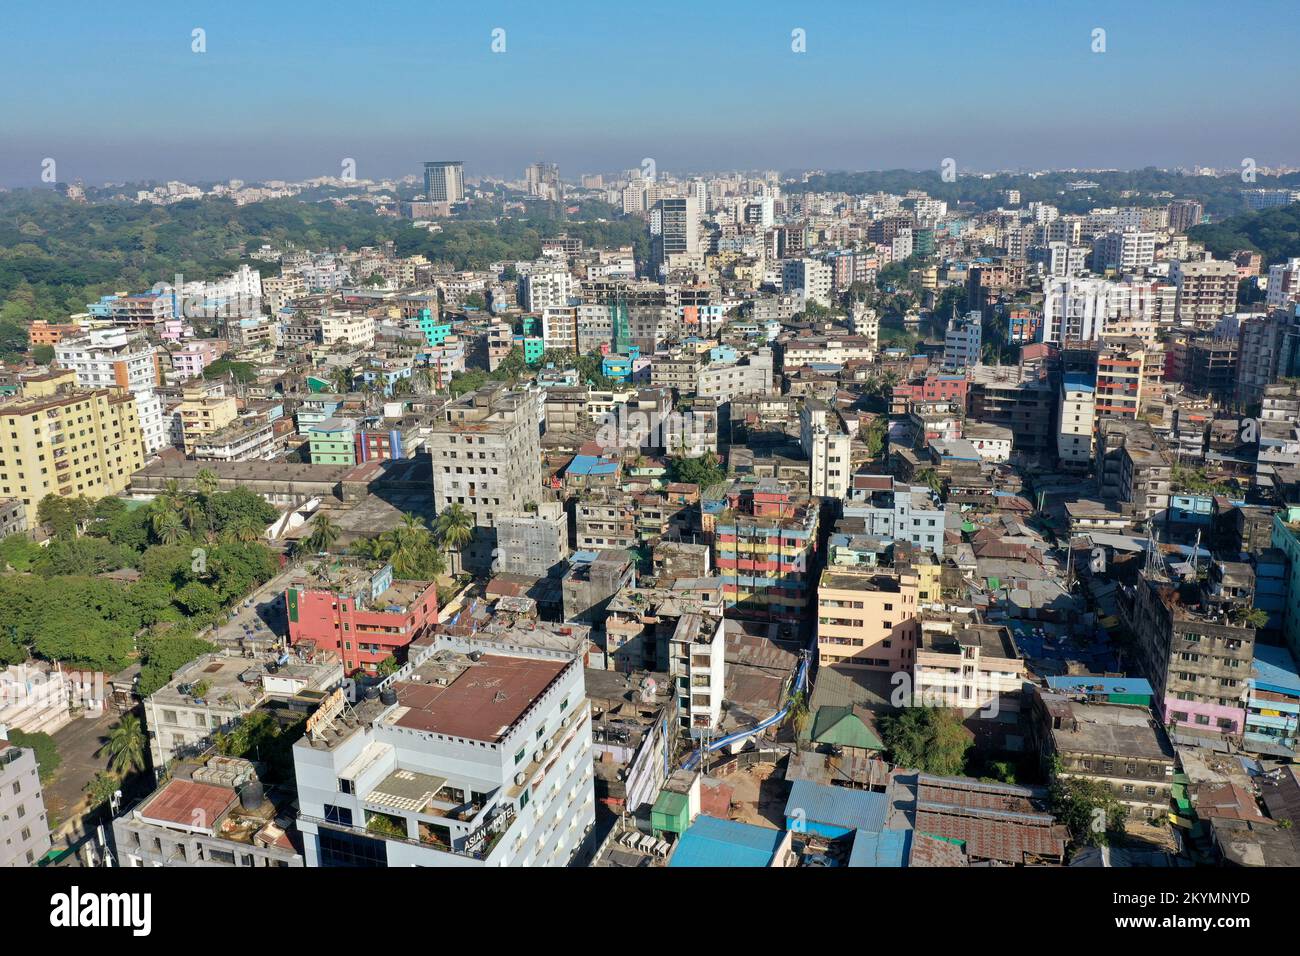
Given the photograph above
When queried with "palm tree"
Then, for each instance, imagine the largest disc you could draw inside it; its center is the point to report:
(799, 714)
(165, 523)
(342, 379)
(323, 534)
(125, 745)
(454, 529)
(206, 482)
(245, 528)
(930, 478)
(192, 514)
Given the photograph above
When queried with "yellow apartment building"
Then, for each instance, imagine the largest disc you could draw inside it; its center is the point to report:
(58, 439)
(205, 409)
(867, 619)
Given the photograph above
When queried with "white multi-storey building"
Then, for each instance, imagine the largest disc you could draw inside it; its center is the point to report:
(697, 662)
(545, 286)
(827, 446)
(1284, 284)
(476, 753)
(1081, 308)
(1125, 252)
(963, 341)
(1078, 413)
(119, 358)
(347, 328)
(809, 277)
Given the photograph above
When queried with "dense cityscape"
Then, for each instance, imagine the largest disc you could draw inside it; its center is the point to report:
(452, 438)
(755, 520)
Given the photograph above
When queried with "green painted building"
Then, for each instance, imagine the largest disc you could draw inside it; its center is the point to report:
(333, 442)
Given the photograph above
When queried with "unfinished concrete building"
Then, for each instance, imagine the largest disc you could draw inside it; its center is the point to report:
(533, 543)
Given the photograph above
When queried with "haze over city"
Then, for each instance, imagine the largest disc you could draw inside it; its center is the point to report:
(116, 93)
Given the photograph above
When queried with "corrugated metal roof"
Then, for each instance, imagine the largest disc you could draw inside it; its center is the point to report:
(713, 842)
(887, 848)
(838, 806)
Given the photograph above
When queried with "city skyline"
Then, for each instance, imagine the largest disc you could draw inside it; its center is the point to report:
(873, 89)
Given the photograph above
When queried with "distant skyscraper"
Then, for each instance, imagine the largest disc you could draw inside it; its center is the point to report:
(674, 229)
(444, 181)
(543, 180)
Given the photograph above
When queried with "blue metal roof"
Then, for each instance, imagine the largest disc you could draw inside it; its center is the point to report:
(838, 806)
(713, 842)
(1102, 685)
(1079, 382)
(591, 465)
(1275, 669)
(887, 848)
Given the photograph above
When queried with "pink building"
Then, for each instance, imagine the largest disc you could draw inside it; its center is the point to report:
(190, 361)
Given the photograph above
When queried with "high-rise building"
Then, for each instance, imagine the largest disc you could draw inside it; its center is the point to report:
(827, 446)
(67, 441)
(444, 181)
(487, 458)
(543, 180)
(1127, 251)
(1184, 213)
(477, 753)
(1078, 413)
(674, 230)
(1206, 290)
(119, 359)
(810, 276)
(1284, 284)
(764, 580)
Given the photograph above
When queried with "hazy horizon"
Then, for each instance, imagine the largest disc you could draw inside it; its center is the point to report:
(116, 94)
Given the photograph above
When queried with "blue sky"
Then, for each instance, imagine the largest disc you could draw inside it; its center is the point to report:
(288, 89)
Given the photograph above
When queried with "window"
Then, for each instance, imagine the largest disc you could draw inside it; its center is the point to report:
(341, 815)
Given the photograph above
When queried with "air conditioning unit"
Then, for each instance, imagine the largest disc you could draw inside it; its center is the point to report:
(519, 779)
(547, 745)
(564, 721)
(538, 756)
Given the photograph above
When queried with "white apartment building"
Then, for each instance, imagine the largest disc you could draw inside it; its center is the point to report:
(545, 286)
(1082, 308)
(24, 826)
(560, 328)
(347, 328)
(1125, 252)
(827, 446)
(963, 341)
(727, 380)
(1284, 284)
(1060, 258)
(1207, 290)
(119, 358)
(967, 666)
(1078, 415)
(809, 277)
(476, 753)
(242, 440)
(697, 663)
